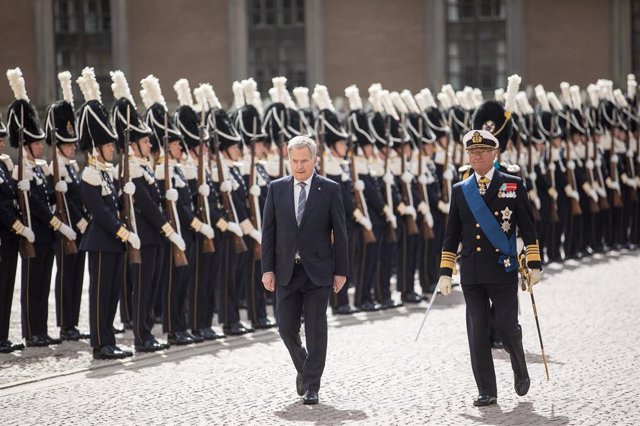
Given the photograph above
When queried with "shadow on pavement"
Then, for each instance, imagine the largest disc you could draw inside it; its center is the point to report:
(523, 413)
(321, 414)
(531, 357)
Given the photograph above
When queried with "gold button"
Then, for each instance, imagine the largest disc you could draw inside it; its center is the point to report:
(477, 237)
(497, 251)
(478, 249)
(496, 213)
(477, 225)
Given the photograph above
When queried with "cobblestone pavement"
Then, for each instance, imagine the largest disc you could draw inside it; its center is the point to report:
(375, 372)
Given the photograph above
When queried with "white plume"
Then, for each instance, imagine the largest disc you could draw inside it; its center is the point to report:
(89, 85)
(184, 92)
(605, 87)
(279, 86)
(428, 98)
(444, 100)
(397, 102)
(462, 99)
(554, 101)
(594, 97)
(409, 101)
(288, 101)
(542, 98)
(498, 95)
(387, 104)
(619, 98)
(477, 97)
(210, 96)
(374, 97)
(302, 97)
(566, 93)
(201, 99)
(513, 85)
(64, 78)
(353, 96)
(523, 103)
(120, 86)
(16, 81)
(238, 94)
(151, 92)
(447, 89)
(632, 86)
(251, 94)
(576, 97)
(321, 97)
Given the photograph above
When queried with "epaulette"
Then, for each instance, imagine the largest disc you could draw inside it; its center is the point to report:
(511, 168)
(92, 176)
(7, 160)
(332, 166)
(190, 171)
(464, 169)
(44, 166)
(362, 165)
(135, 170)
(62, 170)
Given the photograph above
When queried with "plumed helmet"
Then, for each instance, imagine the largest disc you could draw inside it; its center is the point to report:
(21, 113)
(220, 124)
(492, 117)
(359, 124)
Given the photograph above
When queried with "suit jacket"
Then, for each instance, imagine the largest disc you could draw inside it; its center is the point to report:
(478, 257)
(281, 235)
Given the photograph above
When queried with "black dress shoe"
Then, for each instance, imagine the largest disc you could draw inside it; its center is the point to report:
(72, 334)
(179, 338)
(263, 324)
(118, 330)
(310, 397)
(484, 400)
(299, 384)
(110, 352)
(411, 298)
(128, 325)
(390, 304)
(497, 344)
(345, 310)
(150, 346)
(370, 307)
(203, 333)
(52, 340)
(196, 339)
(235, 329)
(521, 384)
(6, 347)
(37, 341)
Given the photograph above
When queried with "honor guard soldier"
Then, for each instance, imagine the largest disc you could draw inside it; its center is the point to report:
(36, 190)
(336, 168)
(12, 229)
(134, 141)
(106, 235)
(486, 209)
(61, 135)
(258, 179)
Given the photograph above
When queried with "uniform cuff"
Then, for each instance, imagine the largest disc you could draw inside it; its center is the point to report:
(222, 225)
(357, 215)
(167, 229)
(17, 227)
(196, 224)
(448, 260)
(533, 253)
(122, 233)
(55, 223)
(246, 226)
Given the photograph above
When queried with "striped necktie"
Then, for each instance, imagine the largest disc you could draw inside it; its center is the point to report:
(302, 200)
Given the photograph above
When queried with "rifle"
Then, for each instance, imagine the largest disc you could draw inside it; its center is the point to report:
(179, 258)
(427, 231)
(553, 207)
(203, 203)
(367, 234)
(630, 166)
(252, 201)
(613, 172)
(593, 204)
(239, 245)
(571, 179)
(536, 213)
(321, 139)
(127, 211)
(603, 202)
(444, 185)
(390, 230)
(27, 250)
(68, 246)
(405, 187)
(281, 146)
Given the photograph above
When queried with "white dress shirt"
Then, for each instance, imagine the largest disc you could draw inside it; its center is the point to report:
(489, 175)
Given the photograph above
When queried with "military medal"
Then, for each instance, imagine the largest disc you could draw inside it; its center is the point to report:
(507, 190)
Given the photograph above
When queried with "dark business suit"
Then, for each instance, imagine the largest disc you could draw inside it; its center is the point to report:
(305, 287)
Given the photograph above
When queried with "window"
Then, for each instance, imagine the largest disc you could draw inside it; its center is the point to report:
(277, 42)
(83, 38)
(476, 43)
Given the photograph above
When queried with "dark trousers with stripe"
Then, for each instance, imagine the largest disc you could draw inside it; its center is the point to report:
(8, 265)
(406, 267)
(126, 295)
(366, 268)
(145, 279)
(34, 295)
(202, 288)
(503, 315)
(386, 263)
(69, 281)
(174, 314)
(228, 284)
(106, 277)
(342, 297)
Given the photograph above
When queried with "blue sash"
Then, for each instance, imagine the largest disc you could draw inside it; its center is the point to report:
(489, 225)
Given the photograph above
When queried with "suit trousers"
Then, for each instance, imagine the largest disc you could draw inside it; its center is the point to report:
(69, 280)
(145, 278)
(300, 296)
(174, 314)
(34, 295)
(8, 265)
(106, 277)
(504, 298)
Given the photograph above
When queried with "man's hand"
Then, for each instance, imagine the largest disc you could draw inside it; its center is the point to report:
(338, 282)
(444, 285)
(534, 277)
(269, 281)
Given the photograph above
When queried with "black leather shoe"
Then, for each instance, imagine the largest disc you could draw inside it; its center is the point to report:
(345, 310)
(484, 400)
(497, 344)
(370, 307)
(235, 329)
(179, 338)
(52, 340)
(299, 384)
(196, 339)
(310, 397)
(118, 330)
(37, 341)
(203, 333)
(521, 385)
(128, 325)
(72, 334)
(390, 304)
(411, 298)
(6, 347)
(263, 324)
(150, 346)
(110, 352)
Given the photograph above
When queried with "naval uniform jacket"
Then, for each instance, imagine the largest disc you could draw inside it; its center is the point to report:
(69, 172)
(147, 203)
(478, 257)
(8, 196)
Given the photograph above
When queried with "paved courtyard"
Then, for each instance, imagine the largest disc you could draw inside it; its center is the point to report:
(375, 372)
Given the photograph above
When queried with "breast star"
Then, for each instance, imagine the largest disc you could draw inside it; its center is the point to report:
(506, 213)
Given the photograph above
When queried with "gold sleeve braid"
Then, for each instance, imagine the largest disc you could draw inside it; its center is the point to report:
(123, 233)
(448, 260)
(533, 252)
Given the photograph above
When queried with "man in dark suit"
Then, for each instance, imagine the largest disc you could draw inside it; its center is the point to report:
(302, 213)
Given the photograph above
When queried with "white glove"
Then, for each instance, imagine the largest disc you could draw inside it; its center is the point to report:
(534, 199)
(204, 190)
(409, 211)
(255, 190)
(393, 220)
(428, 218)
(24, 185)
(552, 193)
(388, 179)
(134, 240)
(364, 221)
(602, 192)
(423, 208)
(444, 207)
(256, 235)
(61, 186)
(206, 230)
(358, 185)
(590, 164)
(598, 163)
(28, 234)
(447, 175)
(82, 225)
(444, 285)
(614, 158)
(129, 188)
(594, 195)
(176, 239)
(534, 277)
(68, 233)
(235, 228)
(226, 186)
(172, 195)
(533, 176)
(422, 179)
(407, 177)
(571, 165)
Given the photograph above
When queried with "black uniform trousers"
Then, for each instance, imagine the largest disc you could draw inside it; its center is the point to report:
(8, 265)
(69, 281)
(365, 267)
(145, 279)
(126, 295)
(174, 314)
(301, 296)
(106, 272)
(34, 295)
(228, 286)
(385, 267)
(202, 291)
(342, 297)
(407, 253)
(504, 300)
